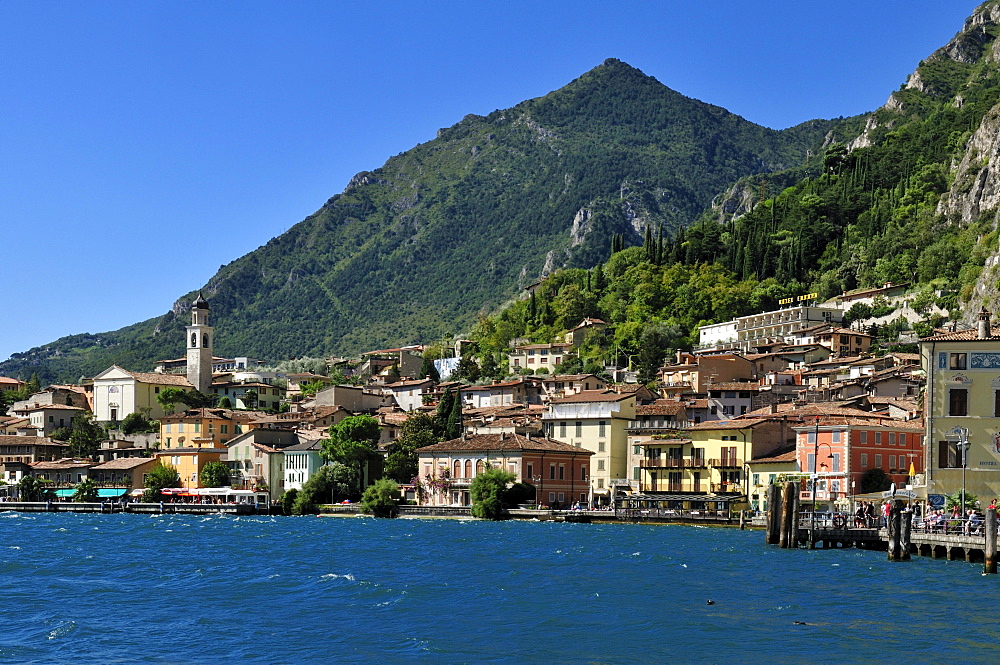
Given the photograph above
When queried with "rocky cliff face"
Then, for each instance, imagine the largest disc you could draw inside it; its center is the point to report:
(974, 42)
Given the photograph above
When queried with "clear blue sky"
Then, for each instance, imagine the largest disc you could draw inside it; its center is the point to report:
(144, 144)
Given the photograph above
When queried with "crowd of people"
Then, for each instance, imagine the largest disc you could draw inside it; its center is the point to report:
(924, 517)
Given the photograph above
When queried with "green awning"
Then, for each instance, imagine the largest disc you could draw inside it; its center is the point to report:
(110, 493)
(62, 493)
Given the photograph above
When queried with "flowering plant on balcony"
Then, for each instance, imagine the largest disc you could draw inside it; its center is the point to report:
(440, 483)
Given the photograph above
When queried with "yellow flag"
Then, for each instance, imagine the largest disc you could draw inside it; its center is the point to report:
(912, 472)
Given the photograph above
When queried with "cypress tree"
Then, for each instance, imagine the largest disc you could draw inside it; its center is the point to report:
(454, 424)
(444, 408)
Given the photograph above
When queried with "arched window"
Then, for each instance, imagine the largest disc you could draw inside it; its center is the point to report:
(194, 340)
(479, 467)
(205, 340)
(457, 472)
(468, 468)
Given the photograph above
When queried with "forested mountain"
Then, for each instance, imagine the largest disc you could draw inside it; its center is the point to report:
(453, 227)
(914, 198)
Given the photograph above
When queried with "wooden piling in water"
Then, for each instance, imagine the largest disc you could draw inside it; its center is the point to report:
(893, 529)
(787, 516)
(990, 551)
(793, 522)
(743, 520)
(773, 515)
(905, 524)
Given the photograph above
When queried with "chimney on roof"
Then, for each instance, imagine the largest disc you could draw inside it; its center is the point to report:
(984, 324)
(503, 435)
(774, 407)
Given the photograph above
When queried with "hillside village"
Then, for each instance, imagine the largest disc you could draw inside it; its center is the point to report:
(786, 395)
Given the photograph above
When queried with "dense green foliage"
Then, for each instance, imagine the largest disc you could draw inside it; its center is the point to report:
(214, 474)
(136, 422)
(381, 498)
(86, 435)
(353, 442)
(419, 430)
(331, 483)
(31, 488)
(85, 492)
(460, 223)
(160, 476)
(487, 491)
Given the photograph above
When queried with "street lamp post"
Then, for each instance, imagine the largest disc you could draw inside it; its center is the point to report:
(961, 435)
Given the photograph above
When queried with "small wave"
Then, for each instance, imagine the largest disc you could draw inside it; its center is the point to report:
(334, 576)
(62, 630)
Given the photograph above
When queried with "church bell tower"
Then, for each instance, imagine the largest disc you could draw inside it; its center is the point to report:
(199, 347)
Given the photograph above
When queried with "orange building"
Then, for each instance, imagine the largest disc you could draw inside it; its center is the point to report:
(559, 472)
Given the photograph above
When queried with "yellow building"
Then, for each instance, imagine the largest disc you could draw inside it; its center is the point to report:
(764, 471)
(962, 401)
(706, 462)
(202, 428)
(596, 421)
(188, 462)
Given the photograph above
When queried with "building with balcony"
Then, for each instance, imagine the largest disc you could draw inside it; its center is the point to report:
(558, 471)
(563, 385)
(703, 463)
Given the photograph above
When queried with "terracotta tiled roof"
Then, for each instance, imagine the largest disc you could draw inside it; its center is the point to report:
(7, 380)
(661, 407)
(409, 383)
(736, 385)
(56, 465)
(503, 442)
(51, 407)
(786, 454)
(967, 335)
(125, 463)
(160, 379)
(710, 425)
(15, 440)
(567, 377)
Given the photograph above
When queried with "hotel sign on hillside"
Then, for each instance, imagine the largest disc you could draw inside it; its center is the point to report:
(789, 301)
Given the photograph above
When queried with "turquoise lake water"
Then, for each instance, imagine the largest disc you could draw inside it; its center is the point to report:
(192, 589)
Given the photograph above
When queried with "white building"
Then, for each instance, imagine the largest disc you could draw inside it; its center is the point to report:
(119, 392)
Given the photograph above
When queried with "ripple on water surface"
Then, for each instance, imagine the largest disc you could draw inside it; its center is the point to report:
(221, 589)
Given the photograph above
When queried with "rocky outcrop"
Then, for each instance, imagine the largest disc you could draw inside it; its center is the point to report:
(976, 184)
(970, 45)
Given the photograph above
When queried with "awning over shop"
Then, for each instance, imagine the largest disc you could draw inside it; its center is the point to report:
(108, 493)
(64, 493)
